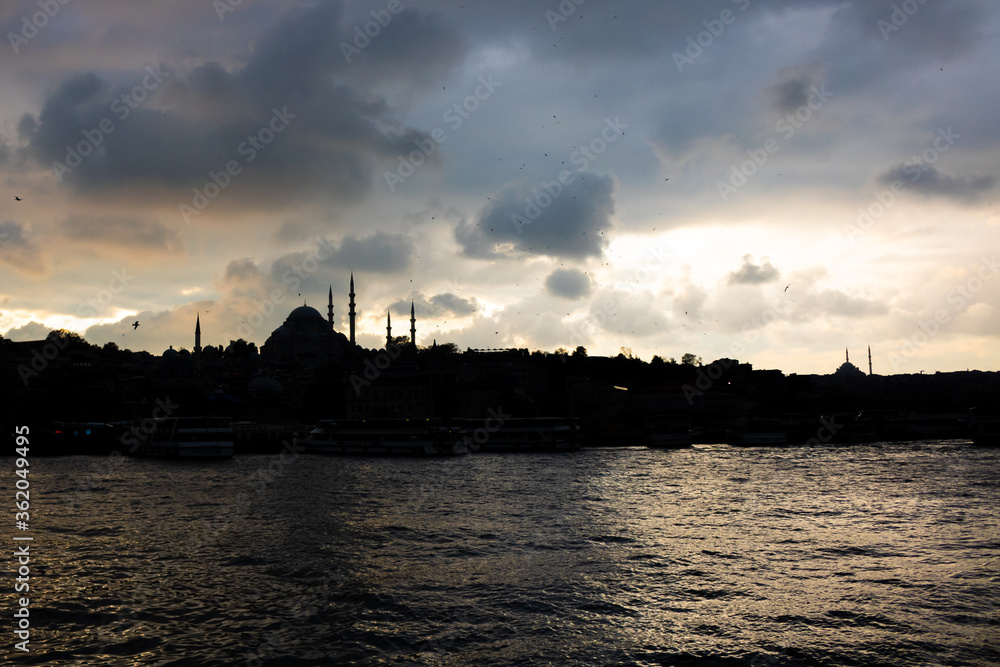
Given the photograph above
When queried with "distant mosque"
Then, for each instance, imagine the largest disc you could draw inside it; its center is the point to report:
(847, 369)
(306, 338)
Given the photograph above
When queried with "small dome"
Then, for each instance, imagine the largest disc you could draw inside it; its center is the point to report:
(847, 369)
(170, 354)
(265, 385)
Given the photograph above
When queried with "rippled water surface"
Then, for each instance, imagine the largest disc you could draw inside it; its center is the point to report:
(865, 555)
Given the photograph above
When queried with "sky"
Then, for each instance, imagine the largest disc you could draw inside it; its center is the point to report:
(765, 180)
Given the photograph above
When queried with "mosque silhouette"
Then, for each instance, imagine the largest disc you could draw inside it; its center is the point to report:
(307, 338)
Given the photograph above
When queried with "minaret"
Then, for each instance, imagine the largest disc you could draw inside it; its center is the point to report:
(388, 329)
(351, 312)
(329, 308)
(847, 356)
(413, 327)
(869, 360)
(197, 344)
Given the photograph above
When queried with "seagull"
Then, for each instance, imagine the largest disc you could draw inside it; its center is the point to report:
(135, 325)
(787, 286)
(16, 198)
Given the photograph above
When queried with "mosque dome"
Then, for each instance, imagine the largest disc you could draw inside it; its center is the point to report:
(304, 337)
(849, 370)
(304, 314)
(170, 353)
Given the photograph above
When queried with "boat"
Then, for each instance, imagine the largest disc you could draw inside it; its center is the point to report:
(985, 427)
(523, 434)
(860, 428)
(264, 437)
(67, 438)
(914, 425)
(669, 431)
(384, 437)
(186, 438)
(757, 432)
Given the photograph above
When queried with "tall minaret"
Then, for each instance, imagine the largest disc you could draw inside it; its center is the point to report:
(869, 360)
(388, 329)
(329, 308)
(351, 312)
(413, 327)
(197, 344)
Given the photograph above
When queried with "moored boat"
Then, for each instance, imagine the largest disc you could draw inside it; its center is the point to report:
(187, 438)
(68, 438)
(525, 434)
(384, 437)
(757, 432)
(264, 437)
(669, 431)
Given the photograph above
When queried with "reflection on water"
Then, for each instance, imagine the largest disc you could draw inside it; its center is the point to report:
(867, 555)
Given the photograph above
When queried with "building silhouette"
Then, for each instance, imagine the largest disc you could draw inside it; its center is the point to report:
(306, 338)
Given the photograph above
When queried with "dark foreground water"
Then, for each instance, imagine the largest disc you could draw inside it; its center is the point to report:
(865, 555)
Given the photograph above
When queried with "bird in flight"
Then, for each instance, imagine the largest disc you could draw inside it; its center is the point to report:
(787, 286)
(135, 325)
(16, 198)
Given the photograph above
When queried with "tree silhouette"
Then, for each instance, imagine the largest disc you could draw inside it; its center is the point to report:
(690, 359)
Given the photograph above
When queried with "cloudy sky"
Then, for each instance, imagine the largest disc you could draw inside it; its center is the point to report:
(761, 179)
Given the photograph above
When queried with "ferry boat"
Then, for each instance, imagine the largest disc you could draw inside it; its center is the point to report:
(524, 434)
(384, 437)
(189, 438)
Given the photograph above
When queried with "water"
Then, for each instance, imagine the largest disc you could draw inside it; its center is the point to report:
(864, 555)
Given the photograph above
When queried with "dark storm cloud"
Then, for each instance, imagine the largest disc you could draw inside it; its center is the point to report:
(847, 52)
(753, 274)
(26, 126)
(454, 304)
(411, 37)
(929, 181)
(934, 30)
(311, 271)
(378, 253)
(18, 250)
(552, 219)
(436, 306)
(568, 283)
(175, 126)
(134, 233)
(603, 32)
